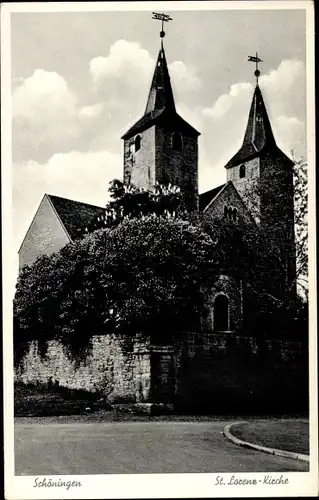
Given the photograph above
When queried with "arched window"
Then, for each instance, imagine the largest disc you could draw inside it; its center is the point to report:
(221, 313)
(177, 141)
(230, 213)
(242, 171)
(234, 214)
(137, 143)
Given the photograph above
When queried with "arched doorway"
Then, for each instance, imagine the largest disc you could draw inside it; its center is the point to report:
(221, 313)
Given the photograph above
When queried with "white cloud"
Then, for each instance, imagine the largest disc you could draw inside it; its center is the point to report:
(210, 173)
(284, 90)
(290, 134)
(226, 120)
(124, 77)
(45, 115)
(280, 87)
(91, 111)
(126, 60)
(43, 97)
(285, 77)
(225, 102)
(75, 175)
(48, 118)
(184, 77)
(191, 114)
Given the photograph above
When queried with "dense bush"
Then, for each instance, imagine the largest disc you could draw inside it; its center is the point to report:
(144, 268)
(143, 274)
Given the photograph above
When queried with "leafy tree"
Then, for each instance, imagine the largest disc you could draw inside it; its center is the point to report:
(144, 274)
(128, 201)
(301, 222)
(142, 267)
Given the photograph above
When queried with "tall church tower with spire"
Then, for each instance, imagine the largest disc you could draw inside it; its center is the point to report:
(263, 176)
(161, 146)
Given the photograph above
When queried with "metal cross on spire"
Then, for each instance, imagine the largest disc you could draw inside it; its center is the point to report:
(256, 60)
(164, 18)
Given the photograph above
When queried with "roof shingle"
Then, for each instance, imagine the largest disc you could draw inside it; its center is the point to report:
(208, 196)
(74, 215)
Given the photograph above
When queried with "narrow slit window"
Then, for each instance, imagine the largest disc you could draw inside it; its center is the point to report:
(242, 171)
(137, 143)
(235, 214)
(177, 142)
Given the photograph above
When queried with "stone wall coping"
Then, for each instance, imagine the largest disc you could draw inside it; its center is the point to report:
(141, 351)
(162, 348)
(143, 344)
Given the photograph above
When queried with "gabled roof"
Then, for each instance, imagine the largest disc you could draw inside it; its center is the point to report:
(258, 133)
(220, 191)
(160, 106)
(74, 215)
(208, 196)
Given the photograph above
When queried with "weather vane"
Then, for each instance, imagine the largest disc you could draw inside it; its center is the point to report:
(164, 18)
(256, 60)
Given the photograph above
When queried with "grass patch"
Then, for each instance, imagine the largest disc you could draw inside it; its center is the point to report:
(288, 435)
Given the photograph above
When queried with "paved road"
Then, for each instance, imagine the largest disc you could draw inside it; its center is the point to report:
(136, 447)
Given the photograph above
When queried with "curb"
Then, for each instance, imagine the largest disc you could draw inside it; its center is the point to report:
(272, 451)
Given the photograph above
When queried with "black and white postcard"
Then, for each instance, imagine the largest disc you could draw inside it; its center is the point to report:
(158, 195)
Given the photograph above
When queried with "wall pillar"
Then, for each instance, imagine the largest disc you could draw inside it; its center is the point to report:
(162, 374)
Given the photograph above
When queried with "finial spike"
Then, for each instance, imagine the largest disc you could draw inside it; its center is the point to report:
(164, 18)
(256, 60)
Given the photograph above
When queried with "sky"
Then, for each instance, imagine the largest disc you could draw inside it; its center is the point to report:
(81, 79)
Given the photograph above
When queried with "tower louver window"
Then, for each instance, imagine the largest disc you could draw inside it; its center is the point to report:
(137, 143)
(177, 142)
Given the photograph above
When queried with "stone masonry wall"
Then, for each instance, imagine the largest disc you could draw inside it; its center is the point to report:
(118, 366)
(196, 372)
(139, 167)
(226, 372)
(178, 167)
(247, 187)
(229, 198)
(157, 161)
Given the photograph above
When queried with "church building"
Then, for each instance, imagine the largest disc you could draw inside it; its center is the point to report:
(162, 147)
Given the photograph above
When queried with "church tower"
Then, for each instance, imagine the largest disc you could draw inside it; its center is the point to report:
(263, 176)
(161, 146)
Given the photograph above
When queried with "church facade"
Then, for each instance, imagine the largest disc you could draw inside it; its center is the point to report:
(161, 147)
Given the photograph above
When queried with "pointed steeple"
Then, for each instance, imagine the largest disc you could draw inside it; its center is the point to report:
(160, 106)
(258, 133)
(161, 94)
